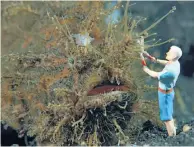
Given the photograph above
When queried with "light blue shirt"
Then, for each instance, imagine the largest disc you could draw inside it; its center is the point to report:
(169, 75)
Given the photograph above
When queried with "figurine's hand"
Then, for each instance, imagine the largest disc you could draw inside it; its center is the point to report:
(143, 62)
(153, 59)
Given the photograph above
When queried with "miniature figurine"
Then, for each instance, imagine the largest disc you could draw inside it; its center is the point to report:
(167, 80)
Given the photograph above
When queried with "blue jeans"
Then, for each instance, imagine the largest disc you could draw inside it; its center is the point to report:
(165, 102)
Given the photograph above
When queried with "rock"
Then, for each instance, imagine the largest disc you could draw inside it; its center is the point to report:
(14, 145)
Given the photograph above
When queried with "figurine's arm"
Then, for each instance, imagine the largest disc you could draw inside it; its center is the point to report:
(154, 59)
(151, 72)
(164, 62)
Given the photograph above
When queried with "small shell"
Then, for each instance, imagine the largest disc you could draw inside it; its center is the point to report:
(186, 128)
